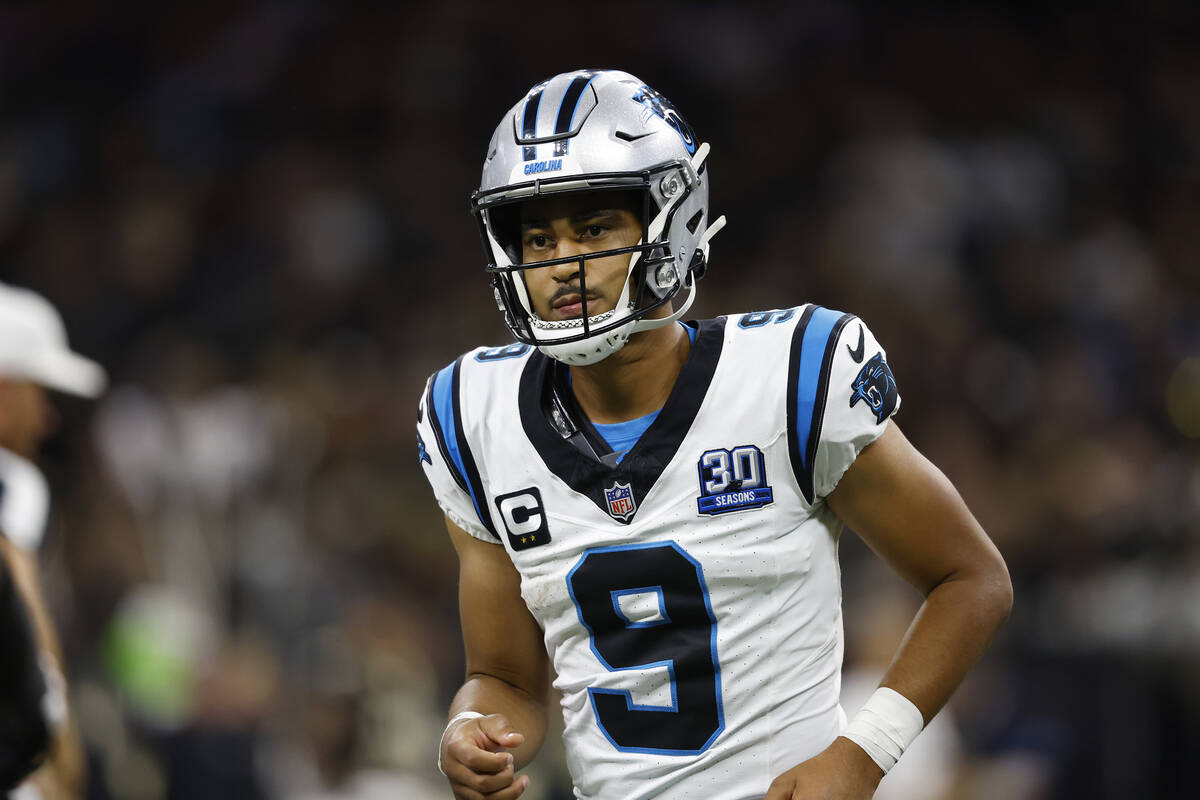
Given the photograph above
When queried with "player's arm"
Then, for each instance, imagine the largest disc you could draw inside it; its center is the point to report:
(61, 777)
(508, 677)
(910, 514)
(914, 519)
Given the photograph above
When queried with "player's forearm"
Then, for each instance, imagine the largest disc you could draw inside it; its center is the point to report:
(488, 694)
(948, 635)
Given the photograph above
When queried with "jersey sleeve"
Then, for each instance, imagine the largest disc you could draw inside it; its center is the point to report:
(445, 455)
(841, 393)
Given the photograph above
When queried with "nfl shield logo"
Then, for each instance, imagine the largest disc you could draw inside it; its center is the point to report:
(620, 501)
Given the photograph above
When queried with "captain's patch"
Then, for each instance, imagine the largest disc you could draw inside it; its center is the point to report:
(524, 518)
(733, 480)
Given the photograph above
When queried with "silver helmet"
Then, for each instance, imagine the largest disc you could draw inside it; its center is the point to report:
(586, 131)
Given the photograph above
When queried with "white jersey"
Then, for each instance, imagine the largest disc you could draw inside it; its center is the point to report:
(24, 501)
(689, 595)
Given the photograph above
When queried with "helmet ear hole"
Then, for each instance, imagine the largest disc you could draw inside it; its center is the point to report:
(694, 222)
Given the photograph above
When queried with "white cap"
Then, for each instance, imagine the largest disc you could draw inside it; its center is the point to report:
(33, 346)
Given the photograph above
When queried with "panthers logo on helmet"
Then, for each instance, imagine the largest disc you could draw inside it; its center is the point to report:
(662, 107)
(876, 386)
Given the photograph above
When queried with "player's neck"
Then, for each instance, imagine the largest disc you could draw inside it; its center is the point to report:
(634, 381)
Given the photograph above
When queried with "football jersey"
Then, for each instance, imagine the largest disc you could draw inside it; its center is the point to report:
(689, 595)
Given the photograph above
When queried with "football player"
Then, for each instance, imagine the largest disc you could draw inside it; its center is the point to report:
(34, 357)
(649, 510)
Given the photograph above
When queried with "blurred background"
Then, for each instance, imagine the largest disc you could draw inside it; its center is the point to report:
(255, 216)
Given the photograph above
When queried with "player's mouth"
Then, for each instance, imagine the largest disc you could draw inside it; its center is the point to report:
(572, 305)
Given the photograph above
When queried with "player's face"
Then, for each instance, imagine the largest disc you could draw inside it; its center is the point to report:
(573, 225)
(26, 416)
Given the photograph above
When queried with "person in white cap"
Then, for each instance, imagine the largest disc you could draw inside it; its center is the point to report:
(34, 357)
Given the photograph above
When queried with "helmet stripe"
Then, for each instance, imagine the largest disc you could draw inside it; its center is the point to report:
(529, 121)
(570, 99)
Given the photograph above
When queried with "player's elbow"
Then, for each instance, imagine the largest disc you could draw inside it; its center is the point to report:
(996, 590)
(983, 585)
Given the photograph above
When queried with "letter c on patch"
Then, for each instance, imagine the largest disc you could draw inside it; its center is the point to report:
(524, 518)
(522, 514)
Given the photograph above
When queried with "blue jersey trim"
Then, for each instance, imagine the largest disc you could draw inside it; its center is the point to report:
(443, 406)
(447, 425)
(815, 337)
(811, 358)
(439, 432)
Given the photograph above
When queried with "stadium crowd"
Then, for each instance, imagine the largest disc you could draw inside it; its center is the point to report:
(254, 216)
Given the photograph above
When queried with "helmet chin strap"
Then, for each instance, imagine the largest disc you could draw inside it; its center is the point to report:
(709, 232)
(649, 324)
(689, 285)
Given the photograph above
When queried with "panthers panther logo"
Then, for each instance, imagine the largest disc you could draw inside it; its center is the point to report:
(656, 104)
(876, 386)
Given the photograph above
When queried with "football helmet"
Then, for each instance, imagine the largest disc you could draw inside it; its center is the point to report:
(588, 131)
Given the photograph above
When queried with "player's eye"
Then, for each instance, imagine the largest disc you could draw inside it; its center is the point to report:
(537, 241)
(593, 231)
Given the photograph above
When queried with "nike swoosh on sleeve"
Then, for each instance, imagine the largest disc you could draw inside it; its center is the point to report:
(857, 352)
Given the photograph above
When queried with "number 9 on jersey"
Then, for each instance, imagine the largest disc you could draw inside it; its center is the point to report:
(679, 632)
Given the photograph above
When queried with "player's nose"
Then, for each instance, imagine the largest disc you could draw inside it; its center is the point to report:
(567, 270)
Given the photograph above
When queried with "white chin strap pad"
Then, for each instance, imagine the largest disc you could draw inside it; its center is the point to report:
(589, 351)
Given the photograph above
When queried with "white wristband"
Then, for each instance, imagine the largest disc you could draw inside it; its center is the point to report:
(885, 726)
(456, 718)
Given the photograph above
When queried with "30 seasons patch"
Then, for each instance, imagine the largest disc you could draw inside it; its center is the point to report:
(732, 479)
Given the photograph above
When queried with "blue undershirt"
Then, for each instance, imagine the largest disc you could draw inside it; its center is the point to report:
(622, 436)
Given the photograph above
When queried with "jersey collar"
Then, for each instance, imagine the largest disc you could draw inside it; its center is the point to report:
(579, 458)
